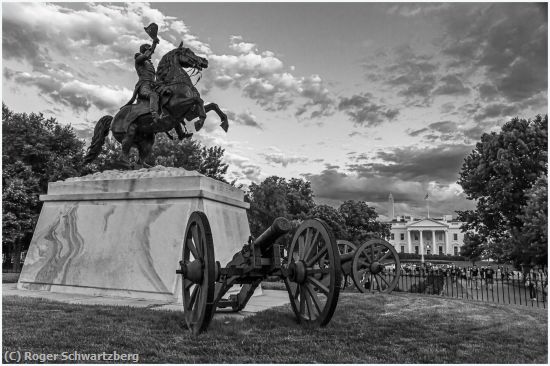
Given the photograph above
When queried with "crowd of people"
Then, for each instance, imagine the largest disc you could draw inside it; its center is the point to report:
(536, 280)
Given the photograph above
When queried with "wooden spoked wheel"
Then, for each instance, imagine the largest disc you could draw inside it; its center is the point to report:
(376, 267)
(314, 275)
(198, 273)
(346, 248)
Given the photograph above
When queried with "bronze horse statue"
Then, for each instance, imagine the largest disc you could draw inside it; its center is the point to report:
(179, 101)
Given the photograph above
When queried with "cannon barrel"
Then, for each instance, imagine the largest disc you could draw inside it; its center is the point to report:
(266, 240)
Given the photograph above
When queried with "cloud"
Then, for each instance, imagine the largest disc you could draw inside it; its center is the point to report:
(333, 187)
(78, 95)
(439, 131)
(414, 76)
(408, 173)
(241, 168)
(363, 111)
(510, 51)
(245, 119)
(283, 159)
(103, 35)
(496, 110)
(264, 78)
(451, 85)
(241, 47)
(441, 163)
(414, 10)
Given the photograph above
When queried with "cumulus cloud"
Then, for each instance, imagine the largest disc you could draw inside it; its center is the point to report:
(245, 118)
(363, 111)
(48, 37)
(263, 77)
(242, 169)
(76, 94)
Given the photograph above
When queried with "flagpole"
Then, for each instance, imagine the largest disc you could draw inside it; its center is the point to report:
(428, 207)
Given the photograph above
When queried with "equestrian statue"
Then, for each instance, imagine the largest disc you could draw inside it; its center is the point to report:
(166, 98)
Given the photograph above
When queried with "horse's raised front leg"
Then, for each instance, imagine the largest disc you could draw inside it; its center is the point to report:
(214, 107)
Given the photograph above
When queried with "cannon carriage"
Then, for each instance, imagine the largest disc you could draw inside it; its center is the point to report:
(311, 271)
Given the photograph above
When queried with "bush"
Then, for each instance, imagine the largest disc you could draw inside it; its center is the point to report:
(445, 257)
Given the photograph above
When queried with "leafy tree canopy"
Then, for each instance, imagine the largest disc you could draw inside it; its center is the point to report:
(498, 175)
(332, 217)
(188, 154)
(277, 197)
(361, 222)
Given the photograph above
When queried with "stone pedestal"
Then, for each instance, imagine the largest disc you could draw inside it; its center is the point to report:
(121, 233)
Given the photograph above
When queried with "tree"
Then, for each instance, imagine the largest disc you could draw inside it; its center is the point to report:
(497, 174)
(35, 151)
(299, 198)
(277, 197)
(473, 247)
(361, 222)
(531, 240)
(211, 163)
(188, 154)
(332, 217)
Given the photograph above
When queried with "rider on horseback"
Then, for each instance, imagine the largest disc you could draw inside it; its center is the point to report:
(146, 74)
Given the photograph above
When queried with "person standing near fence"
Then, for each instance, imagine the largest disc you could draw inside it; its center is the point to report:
(531, 282)
(475, 275)
(489, 273)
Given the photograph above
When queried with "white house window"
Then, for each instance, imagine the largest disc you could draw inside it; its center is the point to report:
(392, 236)
(455, 236)
(402, 236)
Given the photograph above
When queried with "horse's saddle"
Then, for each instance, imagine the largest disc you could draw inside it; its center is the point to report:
(128, 114)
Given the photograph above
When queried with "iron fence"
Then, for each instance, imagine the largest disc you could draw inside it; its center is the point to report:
(508, 288)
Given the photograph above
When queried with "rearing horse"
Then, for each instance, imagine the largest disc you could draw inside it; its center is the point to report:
(179, 101)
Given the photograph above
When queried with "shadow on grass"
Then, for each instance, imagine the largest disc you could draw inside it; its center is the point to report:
(380, 328)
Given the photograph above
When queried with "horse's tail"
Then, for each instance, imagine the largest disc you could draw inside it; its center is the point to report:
(101, 131)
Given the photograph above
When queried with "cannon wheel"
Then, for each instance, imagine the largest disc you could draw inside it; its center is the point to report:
(370, 272)
(345, 247)
(198, 273)
(314, 273)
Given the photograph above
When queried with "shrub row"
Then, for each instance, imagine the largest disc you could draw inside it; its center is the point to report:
(447, 257)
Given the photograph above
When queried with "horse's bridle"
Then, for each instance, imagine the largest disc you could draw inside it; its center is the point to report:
(196, 69)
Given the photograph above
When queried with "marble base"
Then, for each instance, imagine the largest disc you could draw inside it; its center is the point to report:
(121, 233)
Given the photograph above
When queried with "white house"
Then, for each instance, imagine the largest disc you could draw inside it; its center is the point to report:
(427, 235)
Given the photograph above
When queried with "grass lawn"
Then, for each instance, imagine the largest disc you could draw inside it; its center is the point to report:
(380, 328)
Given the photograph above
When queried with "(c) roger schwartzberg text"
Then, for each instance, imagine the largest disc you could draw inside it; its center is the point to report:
(72, 356)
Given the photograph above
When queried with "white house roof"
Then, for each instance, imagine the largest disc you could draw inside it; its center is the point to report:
(427, 223)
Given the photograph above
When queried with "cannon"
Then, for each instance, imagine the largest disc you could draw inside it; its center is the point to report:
(373, 267)
(311, 271)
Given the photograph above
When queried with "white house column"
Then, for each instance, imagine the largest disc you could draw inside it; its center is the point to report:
(409, 240)
(433, 244)
(421, 247)
(448, 243)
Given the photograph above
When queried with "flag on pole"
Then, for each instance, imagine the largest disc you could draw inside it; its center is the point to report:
(427, 196)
